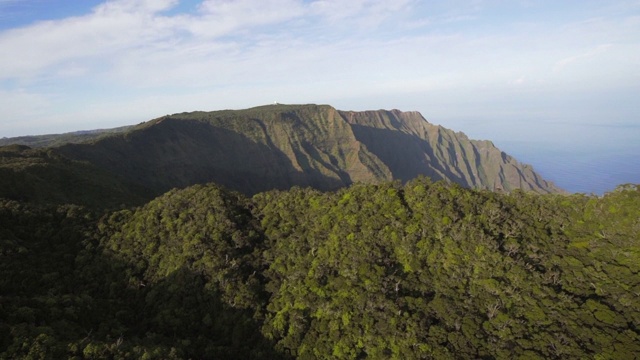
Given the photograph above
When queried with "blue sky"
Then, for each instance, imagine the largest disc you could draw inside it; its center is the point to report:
(498, 68)
(556, 83)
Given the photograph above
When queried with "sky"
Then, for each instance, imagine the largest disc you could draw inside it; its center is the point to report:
(516, 71)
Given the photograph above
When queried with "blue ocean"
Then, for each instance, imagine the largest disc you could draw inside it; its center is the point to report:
(580, 158)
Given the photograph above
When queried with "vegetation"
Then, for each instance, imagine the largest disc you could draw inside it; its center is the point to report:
(50, 140)
(280, 146)
(42, 176)
(424, 270)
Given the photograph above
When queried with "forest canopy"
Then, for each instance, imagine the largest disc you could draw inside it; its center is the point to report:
(424, 270)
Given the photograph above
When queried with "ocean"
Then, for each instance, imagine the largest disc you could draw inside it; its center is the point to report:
(586, 158)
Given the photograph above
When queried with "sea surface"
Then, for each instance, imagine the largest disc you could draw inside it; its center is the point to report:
(586, 158)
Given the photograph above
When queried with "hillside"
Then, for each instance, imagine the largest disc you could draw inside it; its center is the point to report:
(420, 271)
(41, 141)
(44, 176)
(280, 146)
(395, 265)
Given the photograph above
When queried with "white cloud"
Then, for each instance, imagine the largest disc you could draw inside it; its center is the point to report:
(221, 17)
(560, 65)
(369, 12)
(238, 51)
(134, 6)
(110, 29)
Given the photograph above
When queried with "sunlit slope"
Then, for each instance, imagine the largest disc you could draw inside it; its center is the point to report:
(411, 146)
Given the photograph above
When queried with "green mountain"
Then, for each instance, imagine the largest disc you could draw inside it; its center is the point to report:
(94, 265)
(280, 146)
(39, 141)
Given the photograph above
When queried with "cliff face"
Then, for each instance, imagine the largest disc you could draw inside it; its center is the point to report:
(411, 146)
(280, 146)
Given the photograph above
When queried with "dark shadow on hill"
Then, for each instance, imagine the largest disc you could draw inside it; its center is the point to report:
(44, 177)
(63, 296)
(179, 153)
(181, 312)
(406, 155)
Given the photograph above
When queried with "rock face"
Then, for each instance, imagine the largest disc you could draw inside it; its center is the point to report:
(280, 146)
(411, 146)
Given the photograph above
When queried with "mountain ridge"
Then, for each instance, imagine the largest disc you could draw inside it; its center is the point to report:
(50, 140)
(281, 146)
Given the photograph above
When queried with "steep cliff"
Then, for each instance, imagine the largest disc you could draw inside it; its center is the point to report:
(280, 146)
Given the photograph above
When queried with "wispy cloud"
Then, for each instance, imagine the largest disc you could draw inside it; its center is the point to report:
(114, 27)
(143, 52)
(358, 12)
(126, 37)
(561, 64)
(221, 17)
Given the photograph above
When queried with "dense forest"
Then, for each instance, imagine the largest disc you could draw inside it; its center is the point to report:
(424, 270)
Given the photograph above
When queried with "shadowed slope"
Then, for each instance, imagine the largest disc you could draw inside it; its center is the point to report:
(250, 151)
(280, 146)
(44, 176)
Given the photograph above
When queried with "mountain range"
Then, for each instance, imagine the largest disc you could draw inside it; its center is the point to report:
(99, 261)
(253, 150)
